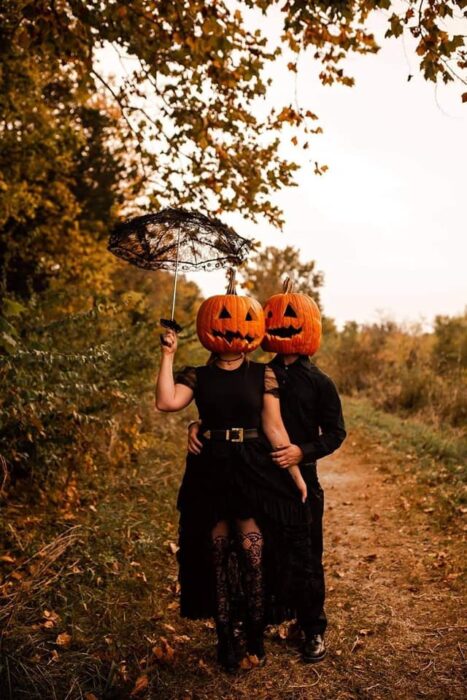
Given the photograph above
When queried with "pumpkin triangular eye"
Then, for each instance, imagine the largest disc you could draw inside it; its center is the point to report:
(224, 313)
(250, 316)
(290, 312)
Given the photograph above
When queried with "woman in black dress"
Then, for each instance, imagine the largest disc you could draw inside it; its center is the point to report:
(229, 489)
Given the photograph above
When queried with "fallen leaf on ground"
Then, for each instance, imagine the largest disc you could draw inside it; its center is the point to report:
(7, 559)
(164, 652)
(182, 638)
(48, 625)
(248, 662)
(63, 639)
(51, 615)
(171, 628)
(357, 643)
(141, 684)
(90, 696)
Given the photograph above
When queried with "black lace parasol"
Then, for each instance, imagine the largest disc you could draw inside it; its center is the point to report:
(178, 239)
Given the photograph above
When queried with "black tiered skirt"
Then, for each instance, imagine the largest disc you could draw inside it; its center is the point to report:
(232, 481)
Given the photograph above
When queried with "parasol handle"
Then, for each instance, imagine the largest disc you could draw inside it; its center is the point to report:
(166, 323)
(174, 295)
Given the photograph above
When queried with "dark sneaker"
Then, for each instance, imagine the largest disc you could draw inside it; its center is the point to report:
(314, 649)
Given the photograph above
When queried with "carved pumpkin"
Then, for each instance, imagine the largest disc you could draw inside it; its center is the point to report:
(293, 323)
(230, 323)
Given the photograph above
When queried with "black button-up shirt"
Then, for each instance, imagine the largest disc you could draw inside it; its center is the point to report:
(310, 406)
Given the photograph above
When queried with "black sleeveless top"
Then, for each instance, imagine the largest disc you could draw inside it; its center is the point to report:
(230, 398)
(235, 478)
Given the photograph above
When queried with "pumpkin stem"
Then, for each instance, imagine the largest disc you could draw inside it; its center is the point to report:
(287, 286)
(231, 287)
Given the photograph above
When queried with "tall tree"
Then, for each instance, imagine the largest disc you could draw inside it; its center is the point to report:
(264, 274)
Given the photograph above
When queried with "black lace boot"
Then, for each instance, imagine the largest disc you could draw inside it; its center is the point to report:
(314, 649)
(226, 652)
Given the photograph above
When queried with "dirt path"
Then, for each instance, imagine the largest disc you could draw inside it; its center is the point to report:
(394, 606)
(394, 609)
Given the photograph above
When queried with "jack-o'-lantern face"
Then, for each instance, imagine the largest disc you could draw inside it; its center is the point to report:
(230, 323)
(293, 323)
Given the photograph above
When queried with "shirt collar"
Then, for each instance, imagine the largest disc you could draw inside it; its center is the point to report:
(279, 360)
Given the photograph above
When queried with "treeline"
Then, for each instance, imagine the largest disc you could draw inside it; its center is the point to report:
(403, 369)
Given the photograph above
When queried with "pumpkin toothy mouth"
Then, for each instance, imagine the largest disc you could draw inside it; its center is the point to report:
(232, 335)
(288, 332)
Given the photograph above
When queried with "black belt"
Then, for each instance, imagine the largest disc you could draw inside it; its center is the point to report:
(231, 434)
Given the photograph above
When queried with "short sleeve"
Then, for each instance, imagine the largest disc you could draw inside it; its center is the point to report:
(271, 385)
(187, 376)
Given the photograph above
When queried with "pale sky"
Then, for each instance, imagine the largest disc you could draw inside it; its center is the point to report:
(386, 224)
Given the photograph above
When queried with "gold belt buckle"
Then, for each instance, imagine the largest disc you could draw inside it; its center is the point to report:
(238, 438)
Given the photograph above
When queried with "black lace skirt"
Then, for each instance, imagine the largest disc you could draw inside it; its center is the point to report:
(238, 481)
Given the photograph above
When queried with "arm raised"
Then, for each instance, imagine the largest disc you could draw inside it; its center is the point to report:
(170, 396)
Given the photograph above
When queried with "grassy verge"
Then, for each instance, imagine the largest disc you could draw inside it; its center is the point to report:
(85, 590)
(432, 461)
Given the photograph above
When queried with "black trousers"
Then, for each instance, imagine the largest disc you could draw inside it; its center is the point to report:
(310, 604)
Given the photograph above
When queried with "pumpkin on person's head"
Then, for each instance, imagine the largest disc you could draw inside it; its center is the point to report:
(293, 323)
(230, 323)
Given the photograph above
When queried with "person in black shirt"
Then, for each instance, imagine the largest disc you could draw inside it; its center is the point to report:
(312, 413)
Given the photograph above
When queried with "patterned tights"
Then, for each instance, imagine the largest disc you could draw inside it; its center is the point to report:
(251, 544)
